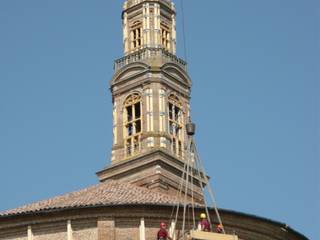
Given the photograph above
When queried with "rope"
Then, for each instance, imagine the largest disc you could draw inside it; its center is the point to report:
(197, 166)
(186, 193)
(192, 189)
(213, 199)
(193, 163)
(201, 185)
(179, 197)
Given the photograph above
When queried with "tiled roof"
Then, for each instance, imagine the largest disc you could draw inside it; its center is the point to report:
(103, 194)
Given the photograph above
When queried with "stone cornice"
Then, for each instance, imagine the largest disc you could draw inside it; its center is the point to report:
(142, 160)
(158, 75)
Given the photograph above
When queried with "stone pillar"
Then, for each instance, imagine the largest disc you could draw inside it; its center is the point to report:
(157, 26)
(144, 26)
(115, 123)
(30, 234)
(142, 229)
(148, 27)
(173, 34)
(106, 229)
(69, 230)
(149, 109)
(126, 39)
(172, 230)
(162, 110)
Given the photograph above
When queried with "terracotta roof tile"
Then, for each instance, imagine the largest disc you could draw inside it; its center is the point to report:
(105, 194)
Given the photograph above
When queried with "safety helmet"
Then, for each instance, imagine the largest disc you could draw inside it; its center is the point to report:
(219, 228)
(203, 215)
(162, 225)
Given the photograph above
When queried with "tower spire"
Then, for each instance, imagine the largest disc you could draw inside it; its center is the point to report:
(149, 24)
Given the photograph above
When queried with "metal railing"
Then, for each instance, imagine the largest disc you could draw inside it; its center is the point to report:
(147, 54)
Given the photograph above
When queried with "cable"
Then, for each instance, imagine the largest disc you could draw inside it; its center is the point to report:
(192, 190)
(213, 199)
(186, 194)
(178, 202)
(198, 167)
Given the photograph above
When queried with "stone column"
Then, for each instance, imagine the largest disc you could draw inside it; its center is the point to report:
(148, 27)
(69, 230)
(174, 34)
(142, 230)
(162, 110)
(126, 39)
(149, 109)
(157, 26)
(115, 123)
(144, 26)
(30, 234)
(106, 229)
(172, 230)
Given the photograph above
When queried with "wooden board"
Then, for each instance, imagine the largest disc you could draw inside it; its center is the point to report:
(211, 236)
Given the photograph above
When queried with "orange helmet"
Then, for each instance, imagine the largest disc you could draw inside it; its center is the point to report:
(219, 228)
(163, 225)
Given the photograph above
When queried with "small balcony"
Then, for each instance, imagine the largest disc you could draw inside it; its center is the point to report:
(147, 54)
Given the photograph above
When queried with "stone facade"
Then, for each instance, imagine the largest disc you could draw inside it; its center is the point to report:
(124, 223)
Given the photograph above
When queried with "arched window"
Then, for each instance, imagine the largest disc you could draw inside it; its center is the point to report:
(165, 37)
(175, 124)
(132, 124)
(136, 35)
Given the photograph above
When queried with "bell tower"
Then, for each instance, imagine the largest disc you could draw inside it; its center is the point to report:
(151, 93)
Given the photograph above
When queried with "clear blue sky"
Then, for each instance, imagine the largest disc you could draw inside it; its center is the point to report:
(255, 70)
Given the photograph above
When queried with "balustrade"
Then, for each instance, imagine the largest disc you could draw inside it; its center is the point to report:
(147, 54)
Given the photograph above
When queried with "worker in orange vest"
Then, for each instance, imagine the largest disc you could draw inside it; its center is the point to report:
(162, 233)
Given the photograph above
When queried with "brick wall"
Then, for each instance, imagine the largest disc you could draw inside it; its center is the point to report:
(84, 229)
(19, 233)
(123, 222)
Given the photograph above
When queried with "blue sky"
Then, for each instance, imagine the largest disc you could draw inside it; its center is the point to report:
(255, 99)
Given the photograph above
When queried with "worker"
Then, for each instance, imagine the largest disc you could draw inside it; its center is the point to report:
(162, 233)
(204, 224)
(219, 228)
